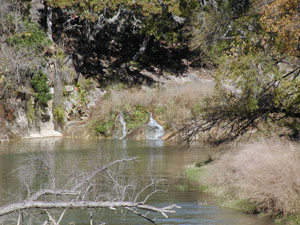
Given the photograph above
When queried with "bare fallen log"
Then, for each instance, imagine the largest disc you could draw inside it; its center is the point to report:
(83, 191)
(15, 207)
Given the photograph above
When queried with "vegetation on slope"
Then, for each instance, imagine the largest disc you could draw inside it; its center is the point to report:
(172, 105)
(257, 77)
(258, 177)
(252, 45)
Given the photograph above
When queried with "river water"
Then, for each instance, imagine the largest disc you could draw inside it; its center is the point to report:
(155, 159)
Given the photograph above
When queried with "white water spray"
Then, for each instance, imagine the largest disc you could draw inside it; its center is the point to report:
(47, 129)
(154, 130)
(120, 127)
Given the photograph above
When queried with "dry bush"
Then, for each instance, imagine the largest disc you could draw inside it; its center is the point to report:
(266, 173)
(172, 104)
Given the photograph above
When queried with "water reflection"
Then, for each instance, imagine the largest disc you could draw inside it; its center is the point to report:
(69, 156)
(155, 143)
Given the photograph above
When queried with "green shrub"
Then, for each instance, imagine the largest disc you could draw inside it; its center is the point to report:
(31, 36)
(40, 85)
(104, 128)
(136, 116)
(59, 115)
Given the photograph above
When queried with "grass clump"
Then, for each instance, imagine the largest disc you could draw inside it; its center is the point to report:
(59, 115)
(245, 205)
(260, 177)
(183, 187)
(193, 173)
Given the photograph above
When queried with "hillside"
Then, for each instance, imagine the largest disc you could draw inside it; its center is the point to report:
(62, 63)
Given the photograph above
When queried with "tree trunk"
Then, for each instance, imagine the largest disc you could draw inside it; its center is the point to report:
(142, 49)
(48, 12)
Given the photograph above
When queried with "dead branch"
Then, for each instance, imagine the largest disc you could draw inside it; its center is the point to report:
(25, 205)
(103, 168)
(43, 192)
(83, 192)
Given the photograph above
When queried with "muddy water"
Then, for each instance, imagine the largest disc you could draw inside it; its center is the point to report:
(155, 159)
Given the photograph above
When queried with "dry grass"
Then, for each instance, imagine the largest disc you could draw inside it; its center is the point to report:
(265, 172)
(172, 105)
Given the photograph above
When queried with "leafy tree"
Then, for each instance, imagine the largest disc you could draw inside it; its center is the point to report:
(23, 52)
(106, 38)
(153, 17)
(282, 19)
(222, 25)
(250, 91)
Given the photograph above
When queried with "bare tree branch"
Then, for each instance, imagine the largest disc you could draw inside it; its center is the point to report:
(11, 208)
(85, 192)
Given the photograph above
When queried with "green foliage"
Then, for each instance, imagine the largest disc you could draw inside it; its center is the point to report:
(183, 187)
(59, 115)
(83, 86)
(193, 173)
(290, 220)
(247, 75)
(245, 205)
(219, 48)
(60, 55)
(281, 19)
(104, 128)
(156, 17)
(160, 110)
(82, 94)
(40, 85)
(29, 36)
(135, 116)
(221, 32)
(147, 8)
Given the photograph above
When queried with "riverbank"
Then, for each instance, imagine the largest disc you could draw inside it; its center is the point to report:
(172, 103)
(261, 177)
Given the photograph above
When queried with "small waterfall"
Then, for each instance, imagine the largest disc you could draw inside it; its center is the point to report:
(46, 128)
(154, 130)
(120, 127)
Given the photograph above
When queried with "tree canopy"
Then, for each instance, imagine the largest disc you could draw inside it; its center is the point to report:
(282, 18)
(148, 16)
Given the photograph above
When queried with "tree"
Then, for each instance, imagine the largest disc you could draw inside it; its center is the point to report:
(250, 91)
(104, 187)
(114, 40)
(281, 18)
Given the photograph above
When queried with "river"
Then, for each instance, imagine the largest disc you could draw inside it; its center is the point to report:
(155, 159)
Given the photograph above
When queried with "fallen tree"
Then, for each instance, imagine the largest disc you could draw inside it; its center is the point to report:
(101, 188)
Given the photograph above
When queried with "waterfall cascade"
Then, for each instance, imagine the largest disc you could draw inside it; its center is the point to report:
(154, 130)
(120, 131)
(46, 128)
